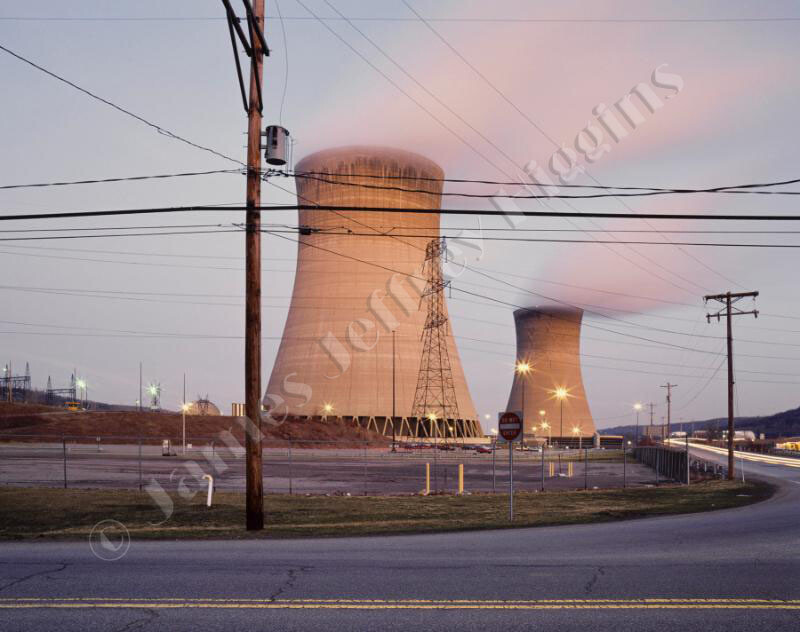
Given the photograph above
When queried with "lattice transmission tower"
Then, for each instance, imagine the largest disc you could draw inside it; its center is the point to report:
(435, 394)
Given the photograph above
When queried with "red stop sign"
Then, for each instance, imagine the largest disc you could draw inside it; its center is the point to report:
(510, 426)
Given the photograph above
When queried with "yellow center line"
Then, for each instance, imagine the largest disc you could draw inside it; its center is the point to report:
(400, 604)
(409, 606)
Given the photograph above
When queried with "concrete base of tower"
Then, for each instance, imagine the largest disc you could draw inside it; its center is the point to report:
(422, 428)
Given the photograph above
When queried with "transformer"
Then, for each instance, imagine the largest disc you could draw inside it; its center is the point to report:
(548, 342)
(352, 343)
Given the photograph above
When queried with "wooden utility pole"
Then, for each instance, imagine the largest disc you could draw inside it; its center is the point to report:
(728, 310)
(669, 388)
(252, 336)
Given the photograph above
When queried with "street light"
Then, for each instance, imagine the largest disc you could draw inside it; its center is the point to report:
(546, 426)
(522, 369)
(638, 408)
(434, 427)
(561, 394)
(81, 384)
(394, 437)
(184, 408)
(577, 431)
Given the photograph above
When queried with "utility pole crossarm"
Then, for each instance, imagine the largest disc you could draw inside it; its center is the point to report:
(729, 301)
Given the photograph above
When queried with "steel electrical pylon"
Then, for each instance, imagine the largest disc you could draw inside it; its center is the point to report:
(435, 393)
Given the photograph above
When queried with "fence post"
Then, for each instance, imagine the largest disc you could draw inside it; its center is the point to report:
(435, 467)
(365, 468)
(64, 451)
(290, 467)
(460, 479)
(140, 464)
(585, 469)
(494, 472)
(542, 467)
(688, 462)
(624, 467)
(658, 453)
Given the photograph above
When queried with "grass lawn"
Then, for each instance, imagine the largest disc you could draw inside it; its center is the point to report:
(42, 513)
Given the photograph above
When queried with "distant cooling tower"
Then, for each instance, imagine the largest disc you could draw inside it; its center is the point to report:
(354, 286)
(548, 340)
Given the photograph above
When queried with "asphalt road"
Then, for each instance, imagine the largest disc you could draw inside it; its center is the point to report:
(730, 570)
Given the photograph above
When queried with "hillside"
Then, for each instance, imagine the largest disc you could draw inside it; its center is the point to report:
(782, 424)
(40, 422)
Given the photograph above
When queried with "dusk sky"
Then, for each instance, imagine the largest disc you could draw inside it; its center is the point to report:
(483, 95)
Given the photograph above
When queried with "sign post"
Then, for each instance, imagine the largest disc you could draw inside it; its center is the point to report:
(510, 427)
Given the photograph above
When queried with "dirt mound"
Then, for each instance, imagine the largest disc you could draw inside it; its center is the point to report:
(36, 422)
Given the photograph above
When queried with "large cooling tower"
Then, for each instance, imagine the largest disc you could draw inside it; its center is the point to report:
(352, 289)
(548, 340)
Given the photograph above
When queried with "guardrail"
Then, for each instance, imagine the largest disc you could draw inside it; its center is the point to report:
(668, 463)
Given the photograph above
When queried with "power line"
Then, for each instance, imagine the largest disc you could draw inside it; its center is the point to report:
(562, 241)
(445, 19)
(633, 191)
(120, 179)
(139, 297)
(423, 211)
(97, 236)
(556, 144)
(141, 119)
(518, 183)
(183, 335)
(475, 294)
(483, 136)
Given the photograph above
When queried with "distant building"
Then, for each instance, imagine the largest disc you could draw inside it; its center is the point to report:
(203, 407)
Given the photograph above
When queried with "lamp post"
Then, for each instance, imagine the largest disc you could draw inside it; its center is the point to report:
(327, 409)
(394, 445)
(546, 426)
(522, 369)
(184, 408)
(638, 408)
(434, 428)
(561, 394)
(577, 431)
(81, 384)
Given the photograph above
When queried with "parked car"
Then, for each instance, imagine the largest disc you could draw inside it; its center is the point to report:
(482, 449)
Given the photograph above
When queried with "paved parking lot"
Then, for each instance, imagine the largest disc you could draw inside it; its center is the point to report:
(314, 470)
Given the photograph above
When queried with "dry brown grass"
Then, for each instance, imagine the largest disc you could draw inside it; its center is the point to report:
(55, 513)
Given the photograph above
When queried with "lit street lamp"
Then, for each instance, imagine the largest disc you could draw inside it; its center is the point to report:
(522, 369)
(434, 427)
(638, 408)
(577, 431)
(546, 426)
(81, 384)
(561, 394)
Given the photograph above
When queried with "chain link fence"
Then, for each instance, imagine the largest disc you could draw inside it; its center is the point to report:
(349, 467)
